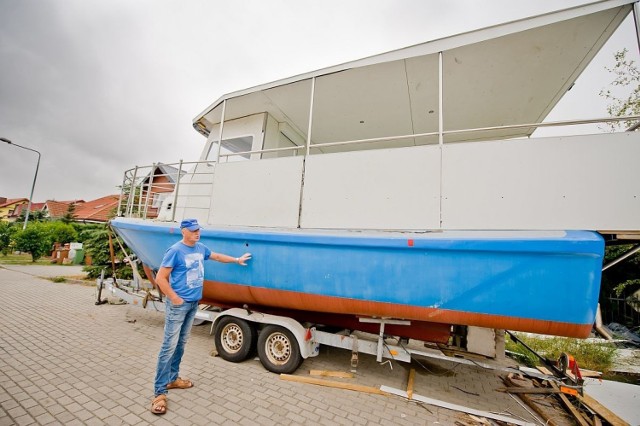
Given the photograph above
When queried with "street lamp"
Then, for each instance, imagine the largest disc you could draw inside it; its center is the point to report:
(26, 217)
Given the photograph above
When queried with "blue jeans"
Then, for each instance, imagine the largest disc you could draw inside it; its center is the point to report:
(177, 327)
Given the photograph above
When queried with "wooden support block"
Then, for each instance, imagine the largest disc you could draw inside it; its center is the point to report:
(590, 373)
(332, 384)
(544, 370)
(327, 373)
(412, 376)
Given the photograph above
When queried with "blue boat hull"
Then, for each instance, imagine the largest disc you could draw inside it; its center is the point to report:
(542, 282)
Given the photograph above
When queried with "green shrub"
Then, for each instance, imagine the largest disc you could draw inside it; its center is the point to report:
(35, 240)
(7, 232)
(61, 232)
(97, 246)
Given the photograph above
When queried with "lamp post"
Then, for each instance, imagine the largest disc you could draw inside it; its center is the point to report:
(33, 185)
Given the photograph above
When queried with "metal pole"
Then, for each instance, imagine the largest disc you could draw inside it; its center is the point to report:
(224, 107)
(124, 180)
(132, 193)
(313, 93)
(175, 193)
(33, 185)
(149, 189)
(619, 259)
(440, 128)
(636, 20)
(307, 150)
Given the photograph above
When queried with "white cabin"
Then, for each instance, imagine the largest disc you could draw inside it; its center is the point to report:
(436, 136)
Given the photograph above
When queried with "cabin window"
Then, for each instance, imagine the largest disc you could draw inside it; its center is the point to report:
(233, 145)
(158, 198)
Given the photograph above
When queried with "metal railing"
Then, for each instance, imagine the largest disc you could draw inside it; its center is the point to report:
(563, 123)
(147, 189)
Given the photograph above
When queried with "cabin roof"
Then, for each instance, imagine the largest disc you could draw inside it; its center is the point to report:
(511, 73)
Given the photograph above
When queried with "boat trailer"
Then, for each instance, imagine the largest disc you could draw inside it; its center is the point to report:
(289, 344)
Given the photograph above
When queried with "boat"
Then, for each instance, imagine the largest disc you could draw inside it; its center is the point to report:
(408, 186)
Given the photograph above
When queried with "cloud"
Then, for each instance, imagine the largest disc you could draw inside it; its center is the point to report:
(99, 86)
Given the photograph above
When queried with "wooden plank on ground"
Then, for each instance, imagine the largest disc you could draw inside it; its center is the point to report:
(456, 407)
(590, 373)
(515, 389)
(545, 410)
(327, 373)
(332, 384)
(544, 370)
(602, 411)
(569, 406)
(412, 376)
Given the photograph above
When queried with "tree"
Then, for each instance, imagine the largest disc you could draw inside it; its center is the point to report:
(70, 215)
(61, 232)
(627, 77)
(34, 240)
(97, 245)
(34, 216)
(622, 278)
(7, 231)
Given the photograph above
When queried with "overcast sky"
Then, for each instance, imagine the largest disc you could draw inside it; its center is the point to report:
(99, 86)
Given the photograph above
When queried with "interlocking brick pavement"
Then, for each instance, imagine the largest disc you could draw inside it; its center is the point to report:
(64, 360)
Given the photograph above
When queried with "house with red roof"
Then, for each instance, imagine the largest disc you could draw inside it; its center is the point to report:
(96, 211)
(57, 209)
(8, 207)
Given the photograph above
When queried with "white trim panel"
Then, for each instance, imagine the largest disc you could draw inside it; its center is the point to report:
(579, 182)
(389, 189)
(257, 193)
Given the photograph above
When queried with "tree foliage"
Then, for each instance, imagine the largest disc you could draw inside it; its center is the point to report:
(624, 277)
(61, 232)
(626, 80)
(97, 245)
(35, 240)
(7, 231)
(34, 216)
(70, 214)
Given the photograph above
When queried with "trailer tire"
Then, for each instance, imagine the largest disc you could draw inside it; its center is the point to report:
(278, 350)
(235, 338)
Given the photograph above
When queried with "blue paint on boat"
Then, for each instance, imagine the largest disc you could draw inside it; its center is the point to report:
(550, 276)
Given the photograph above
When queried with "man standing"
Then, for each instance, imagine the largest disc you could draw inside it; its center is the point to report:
(180, 278)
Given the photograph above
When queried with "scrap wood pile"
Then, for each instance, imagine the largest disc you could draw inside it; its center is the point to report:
(550, 400)
(559, 404)
(466, 416)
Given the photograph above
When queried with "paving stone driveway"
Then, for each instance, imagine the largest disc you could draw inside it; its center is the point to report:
(64, 360)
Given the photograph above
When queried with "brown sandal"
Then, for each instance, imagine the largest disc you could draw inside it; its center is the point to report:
(180, 384)
(159, 404)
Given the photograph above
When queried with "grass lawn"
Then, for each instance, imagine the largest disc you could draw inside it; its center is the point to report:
(23, 259)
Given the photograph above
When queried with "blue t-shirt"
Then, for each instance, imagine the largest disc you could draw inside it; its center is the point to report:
(187, 274)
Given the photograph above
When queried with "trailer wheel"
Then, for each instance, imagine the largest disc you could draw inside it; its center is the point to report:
(278, 350)
(234, 339)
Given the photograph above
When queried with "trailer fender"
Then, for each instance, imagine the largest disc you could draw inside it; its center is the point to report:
(308, 348)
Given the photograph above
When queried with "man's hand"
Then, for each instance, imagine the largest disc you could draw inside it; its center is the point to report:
(162, 280)
(242, 260)
(177, 300)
